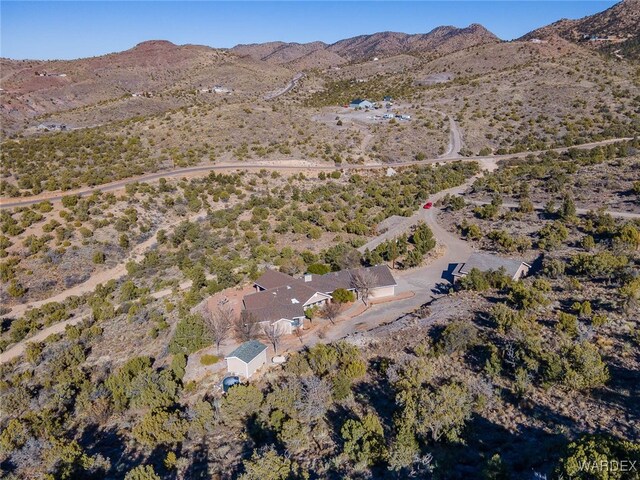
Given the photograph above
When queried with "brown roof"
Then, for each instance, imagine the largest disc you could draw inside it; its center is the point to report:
(287, 295)
(273, 279)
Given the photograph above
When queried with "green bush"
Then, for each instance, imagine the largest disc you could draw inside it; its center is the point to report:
(190, 336)
(342, 295)
(209, 359)
(591, 457)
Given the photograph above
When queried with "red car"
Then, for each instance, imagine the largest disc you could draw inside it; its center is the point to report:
(428, 205)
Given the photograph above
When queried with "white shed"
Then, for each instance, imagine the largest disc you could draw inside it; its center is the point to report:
(247, 358)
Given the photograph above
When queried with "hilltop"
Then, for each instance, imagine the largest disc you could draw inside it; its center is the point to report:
(440, 40)
(161, 69)
(616, 29)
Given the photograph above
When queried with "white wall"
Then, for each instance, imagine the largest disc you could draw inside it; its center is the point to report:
(383, 292)
(245, 370)
(256, 363)
(237, 367)
(521, 272)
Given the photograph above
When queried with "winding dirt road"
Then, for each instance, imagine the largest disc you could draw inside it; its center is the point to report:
(269, 165)
(286, 89)
(421, 280)
(115, 273)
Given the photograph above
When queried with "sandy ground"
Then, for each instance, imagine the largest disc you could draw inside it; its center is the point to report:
(137, 254)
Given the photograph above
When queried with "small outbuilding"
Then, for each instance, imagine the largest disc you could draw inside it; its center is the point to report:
(359, 103)
(247, 358)
(484, 262)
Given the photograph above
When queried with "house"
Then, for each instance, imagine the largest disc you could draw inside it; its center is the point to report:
(247, 358)
(283, 299)
(485, 262)
(359, 103)
(284, 305)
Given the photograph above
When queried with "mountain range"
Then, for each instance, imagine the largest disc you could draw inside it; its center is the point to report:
(33, 88)
(441, 40)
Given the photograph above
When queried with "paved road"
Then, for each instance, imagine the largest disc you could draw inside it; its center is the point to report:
(268, 165)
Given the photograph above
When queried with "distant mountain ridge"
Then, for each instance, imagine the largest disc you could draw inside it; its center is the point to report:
(615, 29)
(442, 40)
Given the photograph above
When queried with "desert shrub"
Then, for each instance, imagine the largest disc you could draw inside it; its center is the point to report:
(443, 412)
(142, 472)
(583, 367)
(507, 318)
(240, 403)
(99, 257)
(568, 323)
(527, 297)
(457, 337)
(552, 235)
(479, 281)
(422, 238)
(553, 267)
(191, 335)
(593, 457)
(318, 268)
(342, 295)
(160, 427)
(364, 440)
(267, 464)
(209, 359)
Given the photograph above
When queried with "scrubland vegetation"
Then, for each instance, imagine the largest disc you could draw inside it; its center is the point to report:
(513, 379)
(488, 378)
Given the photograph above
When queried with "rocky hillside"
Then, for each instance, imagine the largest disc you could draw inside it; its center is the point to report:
(165, 71)
(616, 29)
(441, 40)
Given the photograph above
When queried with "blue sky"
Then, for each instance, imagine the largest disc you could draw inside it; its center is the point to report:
(69, 29)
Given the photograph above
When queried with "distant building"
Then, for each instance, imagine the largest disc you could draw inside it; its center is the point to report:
(359, 103)
(52, 127)
(247, 358)
(484, 262)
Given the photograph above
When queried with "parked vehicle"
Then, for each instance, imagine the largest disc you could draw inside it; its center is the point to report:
(428, 205)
